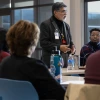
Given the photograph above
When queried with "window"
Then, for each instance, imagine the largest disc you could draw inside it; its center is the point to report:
(33, 10)
(92, 19)
(5, 4)
(6, 22)
(45, 1)
(23, 3)
(24, 14)
(44, 13)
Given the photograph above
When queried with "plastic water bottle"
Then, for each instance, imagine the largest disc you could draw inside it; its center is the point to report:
(70, 62)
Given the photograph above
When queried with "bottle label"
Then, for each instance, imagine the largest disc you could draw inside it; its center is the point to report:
(52, 67)
(70, 64)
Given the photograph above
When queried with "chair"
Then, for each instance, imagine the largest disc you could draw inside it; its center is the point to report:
(82, 92)
(17, 90)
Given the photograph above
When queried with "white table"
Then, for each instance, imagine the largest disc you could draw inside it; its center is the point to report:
(65, 71)
(72, 79)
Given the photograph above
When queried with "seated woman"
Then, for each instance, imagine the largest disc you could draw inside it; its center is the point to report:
(22, 39)
(91, 89)
(3, 45)
(92, 71)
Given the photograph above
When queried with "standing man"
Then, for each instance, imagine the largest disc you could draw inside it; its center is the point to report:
(55, 32)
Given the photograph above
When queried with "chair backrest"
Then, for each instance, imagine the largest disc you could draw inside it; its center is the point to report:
(82, 92)
(17, 90)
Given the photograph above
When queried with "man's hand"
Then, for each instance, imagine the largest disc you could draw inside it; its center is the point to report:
(73, 50)
(64, 48)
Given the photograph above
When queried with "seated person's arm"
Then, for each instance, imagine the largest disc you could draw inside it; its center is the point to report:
(84, 53)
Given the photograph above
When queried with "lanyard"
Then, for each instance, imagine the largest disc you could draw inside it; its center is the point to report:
(56, 28)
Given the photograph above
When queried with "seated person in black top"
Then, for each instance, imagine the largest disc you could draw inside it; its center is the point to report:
(22, 39)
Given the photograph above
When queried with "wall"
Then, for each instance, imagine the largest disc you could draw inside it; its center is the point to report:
(75, 18)
(67, 2)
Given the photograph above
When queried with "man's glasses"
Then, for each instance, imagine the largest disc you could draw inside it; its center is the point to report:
(62, 11)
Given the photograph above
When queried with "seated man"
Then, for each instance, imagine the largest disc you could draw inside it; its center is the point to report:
(22, 39)
(91, 46)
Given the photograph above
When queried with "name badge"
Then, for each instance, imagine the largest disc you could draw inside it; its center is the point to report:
(56, 35)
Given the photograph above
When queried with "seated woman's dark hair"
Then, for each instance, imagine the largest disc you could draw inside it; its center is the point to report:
(3, 43)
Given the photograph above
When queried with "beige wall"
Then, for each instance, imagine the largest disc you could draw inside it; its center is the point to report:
(75, 18)
(67, 2)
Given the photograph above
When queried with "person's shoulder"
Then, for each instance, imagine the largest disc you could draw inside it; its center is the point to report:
(36, 62)
(46, 21)
(86, 45)
(93, 60)
(95, 55)
(5, 60)
(45, 24)
(98, 44)
(3, 53)
(67, 25)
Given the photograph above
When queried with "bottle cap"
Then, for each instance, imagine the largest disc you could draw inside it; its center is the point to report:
(56, 51)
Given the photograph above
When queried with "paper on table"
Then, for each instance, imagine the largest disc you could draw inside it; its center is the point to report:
(74, 82)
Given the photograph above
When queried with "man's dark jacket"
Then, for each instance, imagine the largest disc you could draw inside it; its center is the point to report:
(47, 38)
